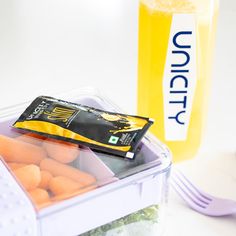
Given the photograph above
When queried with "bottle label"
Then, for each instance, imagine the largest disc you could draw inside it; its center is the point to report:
(180, 77)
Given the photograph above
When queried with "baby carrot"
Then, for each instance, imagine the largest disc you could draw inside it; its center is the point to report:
(31, 138)
(61, 151)
(73, 194)
(29, 176)
(13, 150)
(43, 205)
(58, 169)
(39, 196)
(14, 166)
(61, 185)
(45, 179)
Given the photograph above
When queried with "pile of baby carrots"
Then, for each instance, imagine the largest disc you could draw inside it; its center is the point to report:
(41, 167)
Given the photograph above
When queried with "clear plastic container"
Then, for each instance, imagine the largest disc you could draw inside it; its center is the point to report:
(55, 188)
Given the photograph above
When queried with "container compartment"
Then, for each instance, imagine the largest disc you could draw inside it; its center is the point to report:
(50, 171)
(143, 222)
(149, 153)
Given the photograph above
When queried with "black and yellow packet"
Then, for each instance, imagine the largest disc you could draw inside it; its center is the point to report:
(109, 132)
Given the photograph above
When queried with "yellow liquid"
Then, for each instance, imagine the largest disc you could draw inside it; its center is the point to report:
(155, 19)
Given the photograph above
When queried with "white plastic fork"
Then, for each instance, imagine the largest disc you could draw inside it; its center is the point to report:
(198, 200)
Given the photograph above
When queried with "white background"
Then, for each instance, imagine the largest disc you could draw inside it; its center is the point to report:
(51, 46)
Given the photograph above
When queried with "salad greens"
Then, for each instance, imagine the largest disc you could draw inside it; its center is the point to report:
(121, 226)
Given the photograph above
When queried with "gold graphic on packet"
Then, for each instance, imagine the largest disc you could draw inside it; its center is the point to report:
(111, 117)
(132, 123)
(53, 129)
(60, 113)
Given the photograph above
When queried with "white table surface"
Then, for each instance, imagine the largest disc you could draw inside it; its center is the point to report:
(52, 46)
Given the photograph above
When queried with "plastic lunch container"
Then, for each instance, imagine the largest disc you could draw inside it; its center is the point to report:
(94, 194)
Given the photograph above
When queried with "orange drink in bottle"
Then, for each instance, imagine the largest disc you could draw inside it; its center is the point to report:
(176, 40)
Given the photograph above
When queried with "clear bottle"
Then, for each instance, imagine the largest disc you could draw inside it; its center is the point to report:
(176, 41)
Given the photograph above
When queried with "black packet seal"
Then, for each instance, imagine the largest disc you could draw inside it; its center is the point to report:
(105, 131)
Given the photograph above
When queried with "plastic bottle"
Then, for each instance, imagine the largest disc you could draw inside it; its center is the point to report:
(176, 41)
